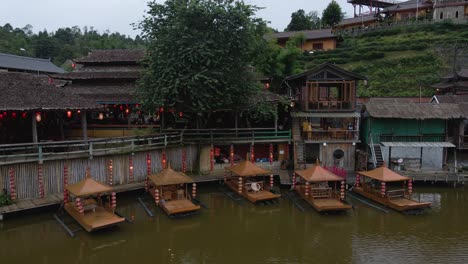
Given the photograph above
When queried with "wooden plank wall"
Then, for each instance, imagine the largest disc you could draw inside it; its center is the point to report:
(26, 175)
(347, 162)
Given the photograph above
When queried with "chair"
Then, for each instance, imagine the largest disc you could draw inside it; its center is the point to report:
(255, 187)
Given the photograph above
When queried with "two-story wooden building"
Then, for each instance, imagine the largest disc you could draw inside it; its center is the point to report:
(325, 124)
(318, 39)
(409, 134)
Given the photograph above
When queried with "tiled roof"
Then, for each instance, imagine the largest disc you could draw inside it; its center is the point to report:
(113, 56)
(9, 61)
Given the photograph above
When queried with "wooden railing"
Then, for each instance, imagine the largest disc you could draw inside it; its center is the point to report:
(332, 135)
(54, 150)
(240, 135)
(463, 141)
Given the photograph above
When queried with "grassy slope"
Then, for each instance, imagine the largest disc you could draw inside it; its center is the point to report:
(397, 61)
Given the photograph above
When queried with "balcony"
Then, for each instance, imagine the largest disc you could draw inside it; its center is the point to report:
(331, 135)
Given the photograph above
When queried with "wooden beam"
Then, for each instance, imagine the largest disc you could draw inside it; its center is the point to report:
(34, 128)
(84, 125)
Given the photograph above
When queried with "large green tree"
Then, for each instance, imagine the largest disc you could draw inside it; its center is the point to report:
(333, 14)
(200, 55)
(302, 21)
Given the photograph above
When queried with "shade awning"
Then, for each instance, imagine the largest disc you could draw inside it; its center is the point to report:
(88, 187)
(330, 115)
(384, 174)
(247, 169)
(169, 177)
(317, 173)
(418, 144)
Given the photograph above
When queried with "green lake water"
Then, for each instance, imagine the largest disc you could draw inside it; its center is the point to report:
(231, 233)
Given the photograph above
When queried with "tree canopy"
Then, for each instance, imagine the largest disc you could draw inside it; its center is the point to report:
(302, 21)
(63, 44)
(332, 15)
(201, 55)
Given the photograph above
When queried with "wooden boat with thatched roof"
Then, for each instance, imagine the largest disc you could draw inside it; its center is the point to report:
(247, 180)
(92, 213)
(313, 186)
(383, 186)
(169, 189)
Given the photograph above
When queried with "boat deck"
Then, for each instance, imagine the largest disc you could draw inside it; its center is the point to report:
(179, 206)
(400, 204)
(328, 204)
(253, 196)
(95, 218)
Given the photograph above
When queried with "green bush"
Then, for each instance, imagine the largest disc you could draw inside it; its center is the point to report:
(4, 199)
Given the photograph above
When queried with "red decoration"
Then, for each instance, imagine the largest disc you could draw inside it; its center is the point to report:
(110, 170)
(40, 179)
(252, 154)
(184, 160)
(24, 115)
(1, 116)
(231, 155)
(130, 168)
(211, 158)
(148, 164)
(73, 65)
(79, 111)
(181, 114)
(69, 114)
(121, 107)
(161, 109)
(13, 115)
(11, 174)
(217, 152)
(51, 81)
(163, 159)
(65, 182)
(267, 86)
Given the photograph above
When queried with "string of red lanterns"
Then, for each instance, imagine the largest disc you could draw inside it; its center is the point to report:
(65, 182)
(184, 160)
(40, 179)
(130, 168)
(211, 158)
(163, 159)
(271, 154)
(231, 155)
(252, 154)
(11, 174)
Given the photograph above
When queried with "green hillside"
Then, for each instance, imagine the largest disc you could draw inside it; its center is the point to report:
(398, 61)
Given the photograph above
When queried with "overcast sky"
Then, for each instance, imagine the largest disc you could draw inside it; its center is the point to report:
(117, 15)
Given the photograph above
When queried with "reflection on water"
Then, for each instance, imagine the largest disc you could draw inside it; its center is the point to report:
(232, 233)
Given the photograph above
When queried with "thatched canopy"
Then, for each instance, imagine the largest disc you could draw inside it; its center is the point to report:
(247, 169)
(23, 92)
(87, 187)
(384, 174)
(169, 177)
(413, 110)
(317, 173)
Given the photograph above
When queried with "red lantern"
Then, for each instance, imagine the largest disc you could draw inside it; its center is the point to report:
(51, 81)
(161, 109)
(181, 114)
(79, 111)
(231, 155)
(13, 115)
(69, 114)
(73, 65)
(211, 159)
(127, 110)
(121, 107)
(38, 117)
(252, 155)
(24, 115)
(267, 86)
(163, 159)
(1, 116)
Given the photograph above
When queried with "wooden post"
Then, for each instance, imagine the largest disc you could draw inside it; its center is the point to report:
(84, 125)
(34, 128)
(389, 156)
(421, 158)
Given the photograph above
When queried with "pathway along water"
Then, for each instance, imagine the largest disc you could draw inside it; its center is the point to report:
(232, 233)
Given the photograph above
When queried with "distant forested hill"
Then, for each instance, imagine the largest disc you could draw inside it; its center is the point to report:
(63, 44)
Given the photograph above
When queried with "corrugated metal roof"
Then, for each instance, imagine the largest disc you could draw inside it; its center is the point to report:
(414, 111)
(332, 115)
(419, 144)
(10, 61)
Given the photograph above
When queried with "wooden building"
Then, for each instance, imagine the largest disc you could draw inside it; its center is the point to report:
(319, 39)
(325, 124)
(421, 9)
(108, 78)
(33, 108)
(408, 135)
(455, 83)
(363, 21)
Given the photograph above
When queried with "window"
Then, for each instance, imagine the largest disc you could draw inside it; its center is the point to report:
(456, 14)
(441, 16)
(338, 154)
(317, 46)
